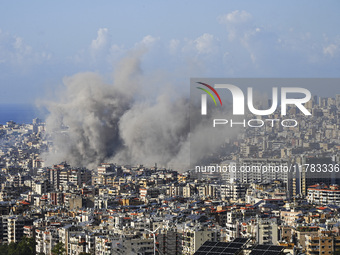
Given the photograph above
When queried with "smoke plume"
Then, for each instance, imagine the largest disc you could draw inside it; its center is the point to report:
(91, 122)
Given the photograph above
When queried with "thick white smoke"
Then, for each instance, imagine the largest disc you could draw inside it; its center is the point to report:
(83, 122)
(91, 122)
(154, 133)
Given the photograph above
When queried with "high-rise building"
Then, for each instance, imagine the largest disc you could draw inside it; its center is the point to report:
(309, 173)
(15, 227)
(234, 191)
(267, 231)
(250, 170)
(169, 242)
(337, 101)
(195, 237)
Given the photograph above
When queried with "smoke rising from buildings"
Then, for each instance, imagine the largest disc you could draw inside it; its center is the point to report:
(91, 122)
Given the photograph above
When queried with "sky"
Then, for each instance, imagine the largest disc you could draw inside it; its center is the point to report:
(42, 42)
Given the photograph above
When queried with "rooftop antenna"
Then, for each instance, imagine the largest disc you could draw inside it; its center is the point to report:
(154, 238)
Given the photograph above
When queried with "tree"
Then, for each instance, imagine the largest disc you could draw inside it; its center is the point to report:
(58, 249)
(4, 249)
(25, 247)
(13, 249)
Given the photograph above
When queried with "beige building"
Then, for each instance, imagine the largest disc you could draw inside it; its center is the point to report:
(195, 237)
(267, 231)
(323, 243)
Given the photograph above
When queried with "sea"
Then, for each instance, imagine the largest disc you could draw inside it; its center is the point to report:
(20, 113)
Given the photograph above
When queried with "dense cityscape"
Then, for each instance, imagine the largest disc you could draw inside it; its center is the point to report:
(123, 209)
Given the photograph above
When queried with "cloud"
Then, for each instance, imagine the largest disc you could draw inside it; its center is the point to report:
(147, 42)
(102, 39)
(173, 45)
(15, 52)
(103, 53)
(248, 48)
(235, 17)
(330, 50)
(247, 38)
(259, 48)
(236, 22)
(21, 47)
(100, 54)
(205, 44)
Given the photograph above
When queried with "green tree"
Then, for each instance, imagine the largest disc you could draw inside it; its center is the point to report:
(4, 249)
(26, 246)
(58, 249)
(13, 249)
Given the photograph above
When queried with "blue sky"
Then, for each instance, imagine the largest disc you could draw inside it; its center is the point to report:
(43, 41)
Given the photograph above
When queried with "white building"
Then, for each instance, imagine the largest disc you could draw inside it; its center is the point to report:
(322, 194)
